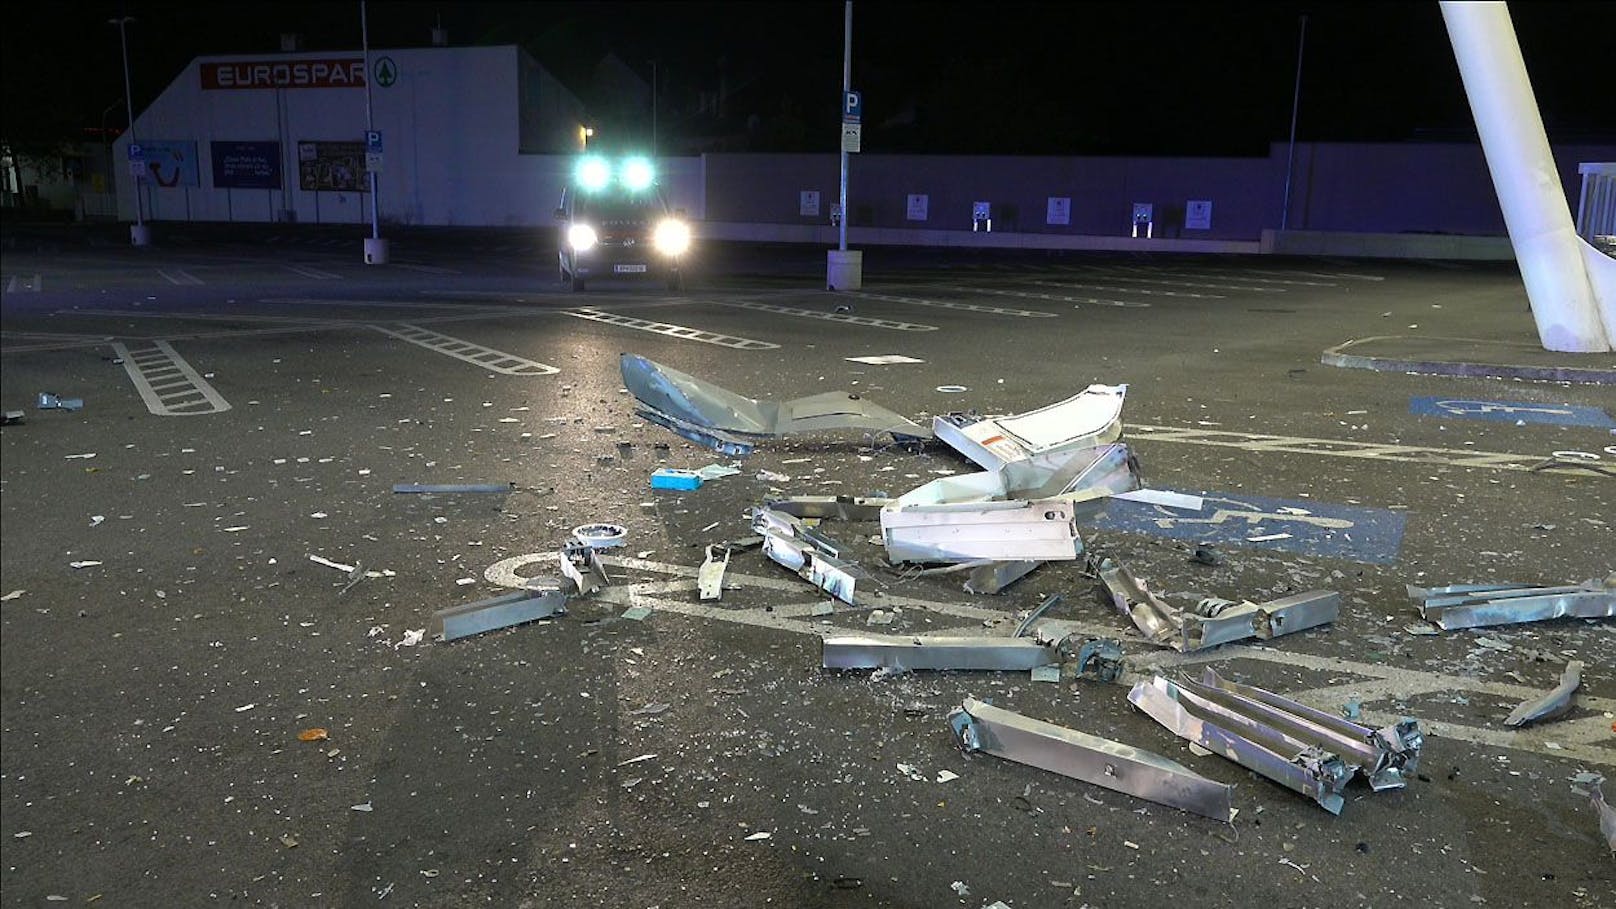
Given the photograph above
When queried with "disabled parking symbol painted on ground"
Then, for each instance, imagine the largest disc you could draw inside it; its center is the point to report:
(1511, 411)
(1372, 535)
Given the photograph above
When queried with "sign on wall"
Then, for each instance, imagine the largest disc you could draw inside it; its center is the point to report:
(1198, 214)
(1058, 210)
(336, 72)
(170, 162)
(246, 165)
(331, 167)
(808, 203)
(918, 204)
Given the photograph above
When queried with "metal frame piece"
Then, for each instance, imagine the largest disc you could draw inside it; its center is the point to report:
(499, 612)
(841, 508)
(815, 558)
(979, 726)
(710, 577)
(1089, 418)
(580, 564)
(731, 424)
(1303, 749)
(891, 651)
(1213, 621)
(994, 577)
(1550, 704)
(1101, 658)
(1476, 605)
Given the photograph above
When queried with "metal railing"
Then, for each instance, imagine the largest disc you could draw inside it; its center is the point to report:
(1596, 208)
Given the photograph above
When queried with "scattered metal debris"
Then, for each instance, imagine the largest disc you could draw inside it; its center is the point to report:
(994, 577)
(710, 577)
(732, 424)
(1551, 704)
(48, 401)
(428, 488)
(14, 416)
(1591, 785)
(1100, 658)
(580, 564)
(1474, 605)
(1213, 621)
(1306, 750)
(979, 726)
(499, 612)
(675, 478)
(913, 652)
(1026, 624)
(815, 558)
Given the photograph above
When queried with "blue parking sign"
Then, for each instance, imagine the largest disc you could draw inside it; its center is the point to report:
(373, 141)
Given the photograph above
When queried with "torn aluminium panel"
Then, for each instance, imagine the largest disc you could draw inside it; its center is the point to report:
(710, 577)
(580, 564)
(1214, 621)
(1306, 750)
(503, 611)
(732, 424)
(911, 652)
(1551, 703)
(816, 559)
(1476, 605)
(979, 726)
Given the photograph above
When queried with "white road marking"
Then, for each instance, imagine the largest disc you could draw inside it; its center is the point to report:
(1340, 448)
(674, 331)
(179, 276)
(169, 385)
(1582, 740)
(949, 304)
(15, 283)
(476, 354)
(1129, 290)
(1317, 274)
(1228, 276)
(1249, 287)
(1054, 298)
(827, 316)
(309, 271)
(426, 269)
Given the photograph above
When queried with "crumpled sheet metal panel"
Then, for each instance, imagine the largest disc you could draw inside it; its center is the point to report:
(1089, 418)
(893, 651)
(712, 415)
(979, 726)
(1478, 605)
(1002, 531)
(1552, 703)
(1314, 773)
(1386, 756)
(1159, 621)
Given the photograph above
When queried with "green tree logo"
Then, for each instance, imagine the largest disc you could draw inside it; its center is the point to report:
(386, 72)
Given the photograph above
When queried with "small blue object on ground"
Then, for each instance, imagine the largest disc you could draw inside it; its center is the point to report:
(674, 478)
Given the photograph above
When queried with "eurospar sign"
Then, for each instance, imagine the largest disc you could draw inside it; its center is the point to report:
(343, 72)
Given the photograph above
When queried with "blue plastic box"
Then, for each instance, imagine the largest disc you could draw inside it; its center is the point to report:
(674, 478)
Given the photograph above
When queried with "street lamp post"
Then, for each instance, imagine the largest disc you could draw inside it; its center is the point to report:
(139, 233)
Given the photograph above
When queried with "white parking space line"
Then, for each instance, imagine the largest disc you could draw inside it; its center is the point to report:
(1171, 283)
(201, 317)
(675, 331)
(33, 285)
(426, 269)
(950, 304)
(1314, 274)
(1338, 448)
(308, 271)
(168, 384)
(827, 316)
(1066, 285)
(1225, 276)
(1053, 298)
(179, 276)
(488, 358)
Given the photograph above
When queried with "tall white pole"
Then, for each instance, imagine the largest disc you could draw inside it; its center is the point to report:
(137, 235)
(1296, 103)
(847, 86)
(1547, 249)
(375, 247)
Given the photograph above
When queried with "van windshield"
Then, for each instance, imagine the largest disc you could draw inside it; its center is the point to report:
(619, 206)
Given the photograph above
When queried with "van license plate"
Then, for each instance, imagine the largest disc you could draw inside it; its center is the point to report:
(629, 269)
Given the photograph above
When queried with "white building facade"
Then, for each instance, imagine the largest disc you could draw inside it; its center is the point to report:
(470, 136)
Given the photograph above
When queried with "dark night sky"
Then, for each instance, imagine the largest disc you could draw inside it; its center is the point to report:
(985, 77)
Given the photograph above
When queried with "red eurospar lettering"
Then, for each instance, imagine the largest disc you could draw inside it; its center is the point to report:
(346, 72)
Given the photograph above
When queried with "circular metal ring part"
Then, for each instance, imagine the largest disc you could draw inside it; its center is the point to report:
(952, 389)
(601, 536)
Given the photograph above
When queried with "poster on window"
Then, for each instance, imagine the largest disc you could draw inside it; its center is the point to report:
(246, 165)
(170, 162)
(332, 167)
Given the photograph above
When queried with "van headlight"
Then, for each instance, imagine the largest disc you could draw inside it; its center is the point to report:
(581, 237)
(672, 237)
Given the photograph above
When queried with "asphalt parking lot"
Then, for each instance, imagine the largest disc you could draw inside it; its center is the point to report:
(252, 395)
